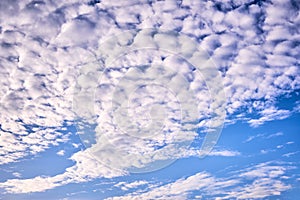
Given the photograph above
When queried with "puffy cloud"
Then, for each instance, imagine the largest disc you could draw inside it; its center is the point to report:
(149, 112)
(48, 49)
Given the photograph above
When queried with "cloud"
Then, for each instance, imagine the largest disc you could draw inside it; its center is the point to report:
(267, 180)
(225, 153)
(61, 153)
(265, 151)
(153, 104)
(263, 136)
(264, 170)
(260, 188)
(85, 169)
(274, 135)
(259, 181)
(88, 167)
(250, 138)
(17, 174)
(42, 96)
(290, 154)
(126, 186)
(36, 184)
(253, 45)
(64, 25)
(270, 114)
(276, 148)
(16, 146)
(181, 187)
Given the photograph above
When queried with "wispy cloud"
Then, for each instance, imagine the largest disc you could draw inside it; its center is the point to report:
(126, 186)
(274, 135)
(267, 180)
(85, 169)
(182, 187)
(260, 181)
(276, 148)
(263, 136)
(225, 153)
(270, 114)
(290, 154)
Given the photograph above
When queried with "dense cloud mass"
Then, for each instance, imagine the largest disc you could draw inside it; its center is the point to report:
(116, 65)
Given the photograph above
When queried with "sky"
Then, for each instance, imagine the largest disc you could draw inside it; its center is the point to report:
(149, 99)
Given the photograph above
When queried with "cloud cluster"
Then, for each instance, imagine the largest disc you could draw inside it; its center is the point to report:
(53, 51)
(17, 146)
(147, 108)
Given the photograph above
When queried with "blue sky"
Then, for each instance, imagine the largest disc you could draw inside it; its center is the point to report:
(149, 100)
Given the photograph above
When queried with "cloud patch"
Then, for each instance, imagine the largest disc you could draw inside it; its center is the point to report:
(260, 181)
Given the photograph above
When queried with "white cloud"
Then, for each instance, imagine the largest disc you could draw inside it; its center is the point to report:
(266, 151)
(263, 136)
(270, 114)
(276, 148)
(40, 67)
(29, 185)
(260, 188)
(152, 104)
(274, 135)
(290, 154)
(126, 186)
(17, 174)
(75, 145)
(72, 32)
(290, 142)
(266, 179)
(250, 138)
(85, 169)
(181, 187)
(61, 153)
(88, 167)
(18, 146)
(225, 153)
(264, 170)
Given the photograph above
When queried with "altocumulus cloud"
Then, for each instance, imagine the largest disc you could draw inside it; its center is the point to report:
(45, 44)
